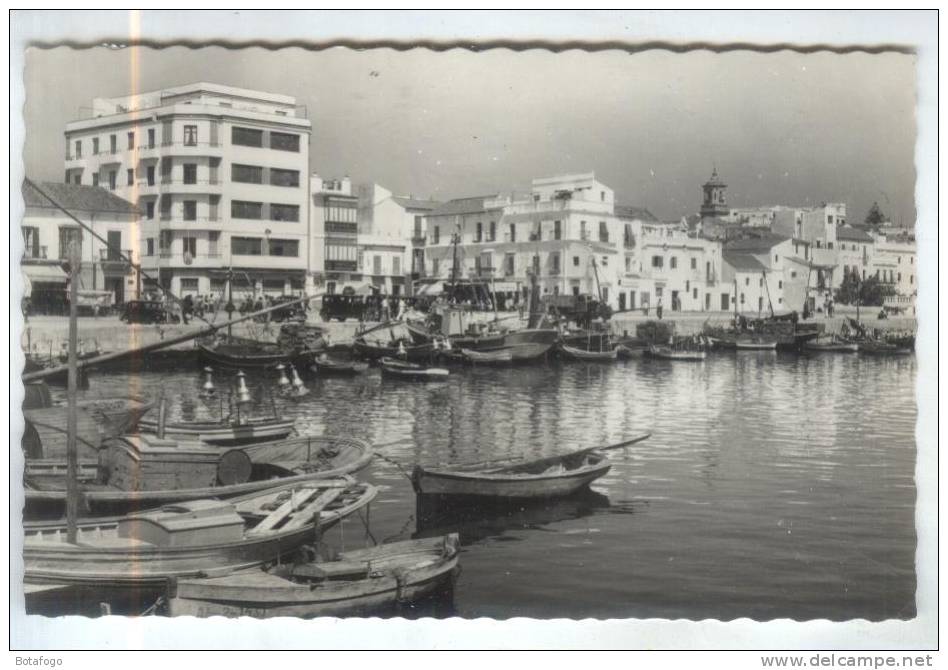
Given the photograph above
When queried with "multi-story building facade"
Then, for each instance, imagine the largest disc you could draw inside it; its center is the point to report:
(390, 220)
(219, 174)
(334, 227)
(767, 271)
(565, 233)
(48, 233)
(896, 262)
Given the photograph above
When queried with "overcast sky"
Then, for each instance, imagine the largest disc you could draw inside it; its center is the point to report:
(782, 128)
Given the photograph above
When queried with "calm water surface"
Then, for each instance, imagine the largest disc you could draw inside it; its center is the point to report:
(773, 485)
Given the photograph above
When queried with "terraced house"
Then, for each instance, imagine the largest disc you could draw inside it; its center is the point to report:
(219, 174)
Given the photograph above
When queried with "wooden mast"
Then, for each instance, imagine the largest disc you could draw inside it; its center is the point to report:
(769, 300)
(72, 419)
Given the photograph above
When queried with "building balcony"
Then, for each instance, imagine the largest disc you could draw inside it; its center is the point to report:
(419, 240)
(197, 187)
(34, 253)
(180, 148)
(74, 162)
(178, 222)
(113, 263)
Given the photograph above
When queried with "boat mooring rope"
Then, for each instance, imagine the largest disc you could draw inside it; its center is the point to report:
(398, 465)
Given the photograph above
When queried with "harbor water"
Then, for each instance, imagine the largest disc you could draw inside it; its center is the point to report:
(774, 485)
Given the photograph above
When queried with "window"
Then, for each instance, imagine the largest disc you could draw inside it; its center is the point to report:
(189, 245)
(131, 140)
(694, 293)
(436, 238)
(246, 174)
(213, 238)
(189, 284)
(284, 248)
(776, 258)
(112, 177)
(151, 138)
(190, 173)
(376, 265)
(911, 279)
(694, 263)
(164, 242)
(31, 242)
(829, 245)
(513, 232)
(829, 218)
(417, 226)
(130, 176)
(113, 144)
(150, 174)
(899, 276)
(67, 236)
(555, 263)
(793, 274)
(240, 209)
(493, 231)
(284, 141)
(245, 246)
(246, 137)
(536, 264)
(78, 148)
(780, 284)
(396, 266)
(557, 230)
(747, 282)
(190, 136)
(760, 283)
(899, 260)
(150, 210)
(602, 196)
(583, 233)
(435, 266)
(150, 244)
(77, 179)
(280, 177)
(575, 261)
(509, 264)
(95, 145)
(284, 212)
(480, 232)
(190, 210)
(603, 232)
(673, 262)
(628, 264)
(658, 261)
(95, 178)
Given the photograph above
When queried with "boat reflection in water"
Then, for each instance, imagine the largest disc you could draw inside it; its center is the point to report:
(477, 519)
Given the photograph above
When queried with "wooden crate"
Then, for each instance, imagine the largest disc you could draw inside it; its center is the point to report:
(146, 463)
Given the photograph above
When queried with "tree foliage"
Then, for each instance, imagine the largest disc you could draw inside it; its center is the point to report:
(875, 217)
(868, 292)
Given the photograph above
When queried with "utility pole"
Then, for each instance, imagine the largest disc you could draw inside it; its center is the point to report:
(72, 420)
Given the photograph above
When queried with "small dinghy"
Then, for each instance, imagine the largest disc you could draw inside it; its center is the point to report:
(411, 371)
(326, 365)
(831, 345)
(877, 348)
(755, 343)
(198, 538)
(517, 478)
(364, 582)
(672, 354)
(498, 357)
(576, 354)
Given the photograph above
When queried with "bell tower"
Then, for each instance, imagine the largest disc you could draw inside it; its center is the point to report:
(714, 203)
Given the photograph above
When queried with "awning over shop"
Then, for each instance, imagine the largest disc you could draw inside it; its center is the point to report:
(44, 274)
(430, 289)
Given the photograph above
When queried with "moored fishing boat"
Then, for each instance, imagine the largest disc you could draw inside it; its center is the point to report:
(357, 583)
(832, 345)
(755, 343)
(495, 357)
(577, 354)
(517, 477)
(672, 354)
(191, 539)
(411, 371)
(325, 364)
(375, 350)
(140, 471)
(878, 348)
(225, 433)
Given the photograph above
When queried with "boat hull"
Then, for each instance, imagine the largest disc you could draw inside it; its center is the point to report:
(411, 372)
(472, 485)
(265, 597)
(576, 354)
(217, 434)
(669, 354)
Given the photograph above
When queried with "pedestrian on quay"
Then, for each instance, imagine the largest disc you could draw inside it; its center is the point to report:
(187, 308)
(658, 309)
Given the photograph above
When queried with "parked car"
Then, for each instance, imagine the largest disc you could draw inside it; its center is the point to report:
(342, 307)
(147, 311)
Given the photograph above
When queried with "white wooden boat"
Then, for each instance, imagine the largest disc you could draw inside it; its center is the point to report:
(139, 471)
(755, 343)
(224, 433)
(358, 583)
(497, 357)
(192, 539)
(577, 354)
(411, 371)
(831, 345)
(672, 354)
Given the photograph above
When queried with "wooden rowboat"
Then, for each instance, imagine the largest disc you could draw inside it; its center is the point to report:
(243, 354)
(498, 357)
(832, 345)
(411, 371)
(754, 343)
(333, 366)
(576, 354)
(224, 433)
(191, 472)
(358, 583)
(193, 539)
(545, 477)
(374, 350)
(875, 348)
(668, 353)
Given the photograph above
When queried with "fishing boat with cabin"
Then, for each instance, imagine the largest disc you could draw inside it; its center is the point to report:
(362, 582)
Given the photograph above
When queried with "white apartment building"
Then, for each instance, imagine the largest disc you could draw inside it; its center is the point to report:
(219, 174)
(48, 233)
(565, 232)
